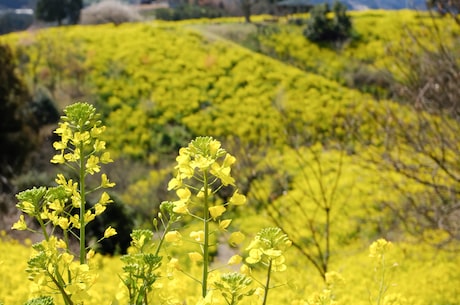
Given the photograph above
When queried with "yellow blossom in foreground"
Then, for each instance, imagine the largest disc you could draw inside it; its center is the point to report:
(197, 235)
(109, 232)
(216, 211)
(58, 159)
(90, 254)
(235, 260)
(237, 199)
(20, 224)
(255, 255)
(180, 208)
(105, 199)
(67, 258)
(236, 238)
(105, 183)
(63, 222)
(173, 237)
(223, 224)
(172, 265)
(245, 269)
(195, 257)
(61, 244)
(99, 209)
(75, 220)
(92, 165)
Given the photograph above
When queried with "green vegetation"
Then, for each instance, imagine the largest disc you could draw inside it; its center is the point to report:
(322, 28)
(17, 128)
(57, 11)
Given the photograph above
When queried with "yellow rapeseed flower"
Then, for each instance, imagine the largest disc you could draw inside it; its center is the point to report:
(223, 224)
(20, 224)
(63, 222)
(237, 199)
(195, 257)
(197, 235)
(236, 238)
(105, 199)
(216, 211)
(92, 165)
(105, 183)
(109, 232)
(105, 158)
(173, 237)
(67, 258)
(58, 159)
(378, 248)
(99, 209)
(235, 260)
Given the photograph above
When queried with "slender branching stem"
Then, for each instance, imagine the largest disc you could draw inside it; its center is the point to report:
(204, 287)
(267, 284)
(82, 206)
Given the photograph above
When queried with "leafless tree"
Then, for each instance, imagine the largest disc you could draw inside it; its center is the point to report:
(422, 138)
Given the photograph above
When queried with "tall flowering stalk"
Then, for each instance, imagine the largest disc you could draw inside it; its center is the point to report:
(55, 208)
(267, 249)
(379, 252)
(142, 262)
(203, 168)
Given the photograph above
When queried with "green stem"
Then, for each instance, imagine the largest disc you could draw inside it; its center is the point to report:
(382, 282)
(82, 207)
(66, 240)
(204, 283)
(43, 227)
(267, 284)
(65, 296)
(168, 226)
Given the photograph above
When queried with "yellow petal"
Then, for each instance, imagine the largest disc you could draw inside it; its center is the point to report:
(216, 211)
(236, 238)
(224, 224)
(235, 260)
(109, 232)
(238, 199)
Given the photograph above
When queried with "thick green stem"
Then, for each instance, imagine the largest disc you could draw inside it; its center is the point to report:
(204, 283)
(82, 206)
(267, 284)
(42, 225)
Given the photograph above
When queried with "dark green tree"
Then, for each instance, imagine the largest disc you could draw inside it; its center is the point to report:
(58, 10)
(18, 126)
(322, 28)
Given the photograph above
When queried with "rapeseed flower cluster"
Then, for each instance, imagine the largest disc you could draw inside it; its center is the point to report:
(203, 168)
(268, 248)
(54, 266)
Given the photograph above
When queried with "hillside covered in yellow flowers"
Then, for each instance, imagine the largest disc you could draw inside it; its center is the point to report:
(324, 148)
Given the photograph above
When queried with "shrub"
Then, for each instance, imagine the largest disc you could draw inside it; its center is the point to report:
(109, 12)
(377, 82)
(321, 28)
(44, 107)
(17, 124)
